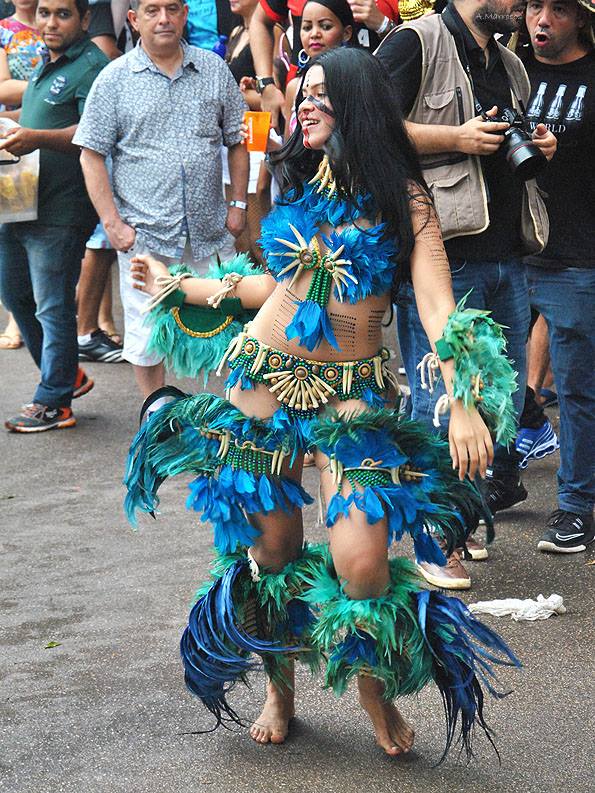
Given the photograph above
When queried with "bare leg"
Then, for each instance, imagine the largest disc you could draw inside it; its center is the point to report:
(393, 733)
(272, 725)
(359, 552)
(280, 542)
(10, 338)
(106, 316)
(539, 357)
(94, 274)
(149, 378)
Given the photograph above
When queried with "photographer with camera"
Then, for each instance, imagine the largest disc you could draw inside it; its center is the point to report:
(460, 90)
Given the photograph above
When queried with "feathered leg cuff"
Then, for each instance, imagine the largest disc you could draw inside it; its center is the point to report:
(191, 339)
(407, 638)
(240, 614)
(237, 461)
(395, 468)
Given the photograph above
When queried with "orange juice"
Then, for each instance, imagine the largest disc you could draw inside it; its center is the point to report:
(258, 130)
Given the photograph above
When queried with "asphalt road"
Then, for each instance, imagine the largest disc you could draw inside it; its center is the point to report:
(105, 711)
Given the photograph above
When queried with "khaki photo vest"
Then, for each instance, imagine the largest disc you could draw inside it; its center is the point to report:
(456, 180)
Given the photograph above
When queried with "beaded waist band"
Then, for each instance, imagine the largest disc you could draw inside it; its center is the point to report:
(302, 385)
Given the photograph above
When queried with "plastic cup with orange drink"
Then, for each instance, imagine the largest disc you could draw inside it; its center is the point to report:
(258, 124)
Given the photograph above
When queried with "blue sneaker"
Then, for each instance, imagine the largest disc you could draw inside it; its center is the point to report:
(535, 444)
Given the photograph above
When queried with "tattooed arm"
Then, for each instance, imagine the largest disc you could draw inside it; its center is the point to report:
(470, 443)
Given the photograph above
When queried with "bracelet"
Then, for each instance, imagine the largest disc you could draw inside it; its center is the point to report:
(169, 284)
(383, 26)
(228, 284)
(444, 350)
(239, 204)
(386, 26)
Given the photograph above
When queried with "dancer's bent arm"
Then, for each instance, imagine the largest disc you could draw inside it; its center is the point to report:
(471, 446)
(252, 290)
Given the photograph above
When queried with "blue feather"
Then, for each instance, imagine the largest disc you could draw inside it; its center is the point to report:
(356, 646)
(461, 664)
(299, 617)
(427, 549)
(371, 260)
(338, 507)
(237, 375)
(224, 498)
(371, 256)
(311, 325)
(352, 450)
(372, 399)
(372, 506)
(215, 649)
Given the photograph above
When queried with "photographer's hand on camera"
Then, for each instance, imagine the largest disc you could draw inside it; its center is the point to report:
(545, 140)
(479, 136)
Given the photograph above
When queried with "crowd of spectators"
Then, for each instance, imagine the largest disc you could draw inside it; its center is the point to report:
(136, 109)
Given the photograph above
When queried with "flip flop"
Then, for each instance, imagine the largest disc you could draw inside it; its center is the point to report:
(549, 398)
(9, 342)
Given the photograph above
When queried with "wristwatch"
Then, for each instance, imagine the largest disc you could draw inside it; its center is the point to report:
(238, 205)
(262, 82)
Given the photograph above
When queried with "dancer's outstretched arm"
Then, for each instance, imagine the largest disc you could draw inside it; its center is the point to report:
(252, 290)
(471, 446)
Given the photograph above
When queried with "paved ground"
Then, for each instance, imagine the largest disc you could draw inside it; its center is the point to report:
(106, 710)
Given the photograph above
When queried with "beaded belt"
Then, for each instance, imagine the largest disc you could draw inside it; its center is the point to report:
(301, 385)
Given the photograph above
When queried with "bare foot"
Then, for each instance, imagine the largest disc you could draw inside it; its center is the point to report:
(11, 338)
(393, 733)
(273, 723)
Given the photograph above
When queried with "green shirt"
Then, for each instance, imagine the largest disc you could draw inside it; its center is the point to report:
(54, 99)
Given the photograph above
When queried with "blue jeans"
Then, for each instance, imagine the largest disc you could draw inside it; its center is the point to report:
(39, 270)
(566, 298)
(500, 287)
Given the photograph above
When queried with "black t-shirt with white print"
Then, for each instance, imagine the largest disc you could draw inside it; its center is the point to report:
(563, 98)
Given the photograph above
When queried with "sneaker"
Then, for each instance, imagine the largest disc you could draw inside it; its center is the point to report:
(38, 418)
(82, 385)
(474, 550)
(501, 494)
(100, 348)
(567, 532)
(452, 576)
(535, 444)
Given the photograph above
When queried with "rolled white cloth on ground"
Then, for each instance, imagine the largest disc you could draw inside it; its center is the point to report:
(528, 609)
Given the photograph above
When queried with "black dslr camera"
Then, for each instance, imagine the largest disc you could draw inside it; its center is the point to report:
(523, 156)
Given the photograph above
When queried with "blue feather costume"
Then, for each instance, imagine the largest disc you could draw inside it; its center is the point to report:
(384, 466)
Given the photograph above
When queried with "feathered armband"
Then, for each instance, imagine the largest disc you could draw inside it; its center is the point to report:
(193, 338)
(483, 375)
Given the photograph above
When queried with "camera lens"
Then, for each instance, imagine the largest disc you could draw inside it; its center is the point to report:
(522, 155)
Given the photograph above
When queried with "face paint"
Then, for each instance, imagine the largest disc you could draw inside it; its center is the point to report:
(315, 112)
(319, 105)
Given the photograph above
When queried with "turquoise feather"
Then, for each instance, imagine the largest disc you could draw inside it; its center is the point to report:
(478, 345)
(188, 356)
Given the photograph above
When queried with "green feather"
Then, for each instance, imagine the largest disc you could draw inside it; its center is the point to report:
(188, 356)
(404, 662)
(273, 592)
(478, 345)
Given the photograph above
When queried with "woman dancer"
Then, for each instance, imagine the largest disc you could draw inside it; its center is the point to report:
(309, 372)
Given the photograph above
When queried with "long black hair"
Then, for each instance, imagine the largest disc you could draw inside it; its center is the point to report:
(369, 150)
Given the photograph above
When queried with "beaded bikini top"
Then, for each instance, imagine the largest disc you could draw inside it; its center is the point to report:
(359, 262)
